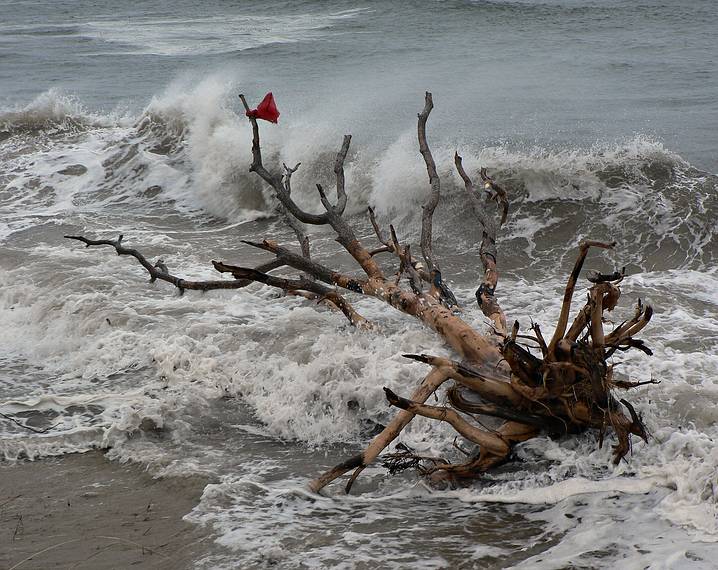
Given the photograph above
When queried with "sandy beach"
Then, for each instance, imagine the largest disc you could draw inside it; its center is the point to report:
(82, 511)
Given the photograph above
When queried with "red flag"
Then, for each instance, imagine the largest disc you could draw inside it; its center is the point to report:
(266, 110)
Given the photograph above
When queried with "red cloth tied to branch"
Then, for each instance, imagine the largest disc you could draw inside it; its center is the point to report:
(266, 110)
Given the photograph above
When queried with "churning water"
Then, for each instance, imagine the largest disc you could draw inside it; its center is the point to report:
(600, 117)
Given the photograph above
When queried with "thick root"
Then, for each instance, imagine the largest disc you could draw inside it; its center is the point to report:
(431, 382)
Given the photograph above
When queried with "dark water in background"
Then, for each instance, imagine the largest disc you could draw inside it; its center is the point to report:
(599, 117)
(552, 72)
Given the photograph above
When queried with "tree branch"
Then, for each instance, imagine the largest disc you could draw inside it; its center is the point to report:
(159, 269)
(433, 199)
(274, 180)
(485, 294)
(295, 224)
(317, 270)
(321, 292)
(428, 386)
(347, 238)
(558, 334)
(333, 214)
(339, 173)
(488, 441)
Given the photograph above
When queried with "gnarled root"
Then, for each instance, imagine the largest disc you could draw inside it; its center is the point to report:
(510, 433)
(568, 389)
(563, 386)
(359, 462)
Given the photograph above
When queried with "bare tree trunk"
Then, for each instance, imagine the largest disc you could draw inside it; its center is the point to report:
(567, 389)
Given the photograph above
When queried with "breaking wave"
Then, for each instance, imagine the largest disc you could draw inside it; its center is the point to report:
(99, 359)
(190, 150)
(51, 112)
(228, 33)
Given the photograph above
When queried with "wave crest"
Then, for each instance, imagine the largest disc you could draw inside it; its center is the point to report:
(52, 111)
(191, 148)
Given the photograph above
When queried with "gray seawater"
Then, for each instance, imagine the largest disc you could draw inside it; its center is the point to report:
(600, 117)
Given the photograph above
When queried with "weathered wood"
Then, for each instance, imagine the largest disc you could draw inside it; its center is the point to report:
(583, 248)
(428, 386)
(159, 271)
(485, 295)
(434, 181)
(566, 388)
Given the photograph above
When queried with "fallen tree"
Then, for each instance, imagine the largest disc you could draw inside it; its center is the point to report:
(564, 386)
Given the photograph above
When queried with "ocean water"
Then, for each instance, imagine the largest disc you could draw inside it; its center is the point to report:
(599, 117)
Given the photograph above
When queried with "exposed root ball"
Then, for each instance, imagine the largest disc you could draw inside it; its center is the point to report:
(564, 386)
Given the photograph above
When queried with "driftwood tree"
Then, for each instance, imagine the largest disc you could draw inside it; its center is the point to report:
(567, 389)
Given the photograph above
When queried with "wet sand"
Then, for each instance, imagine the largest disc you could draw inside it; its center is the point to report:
(82, 511)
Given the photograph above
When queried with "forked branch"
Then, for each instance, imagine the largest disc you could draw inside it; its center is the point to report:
(243, 276)
(159, 270)
(558, 334)
(562, 386)
(485, 294)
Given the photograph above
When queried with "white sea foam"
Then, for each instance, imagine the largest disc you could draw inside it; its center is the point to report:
(192, 145)
(52, 110)
(214, 34)
(120, 364)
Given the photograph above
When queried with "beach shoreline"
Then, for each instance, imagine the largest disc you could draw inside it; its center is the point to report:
(83, 511)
